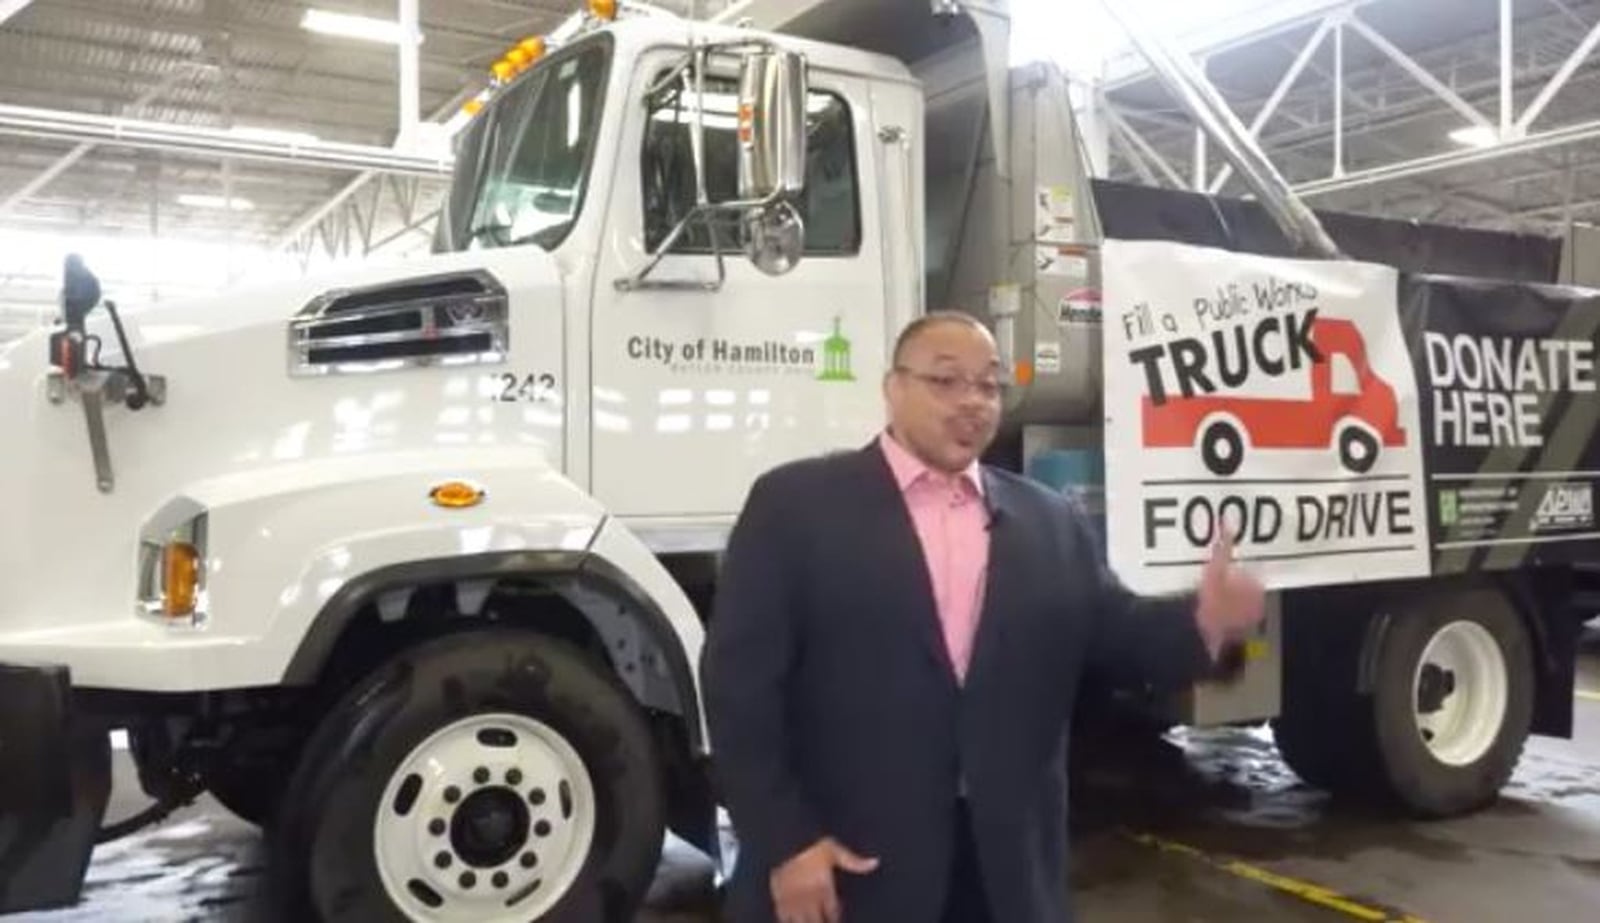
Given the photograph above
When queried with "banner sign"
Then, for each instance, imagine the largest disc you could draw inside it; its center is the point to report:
(1342, 422)
(1510, 419)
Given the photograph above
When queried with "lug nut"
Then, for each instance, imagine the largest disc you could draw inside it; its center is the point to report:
(468, 880)
(529, 860)
(442, 860)
(542, 828)
(480, 776)
(513, 777)
(452, 794)
(501, 879)
(436, 827)
(536, 797)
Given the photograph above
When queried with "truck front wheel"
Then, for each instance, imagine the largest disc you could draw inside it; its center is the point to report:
(485, 776)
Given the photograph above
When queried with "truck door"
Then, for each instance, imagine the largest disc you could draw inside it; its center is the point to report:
(696, 391)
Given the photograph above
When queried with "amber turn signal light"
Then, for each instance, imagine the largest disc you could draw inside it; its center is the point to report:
(180, 571)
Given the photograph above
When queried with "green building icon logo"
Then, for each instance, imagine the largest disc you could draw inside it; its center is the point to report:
(836, 357)
(1449, 511)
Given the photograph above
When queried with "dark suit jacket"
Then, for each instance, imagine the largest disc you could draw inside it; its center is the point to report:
(834, 709)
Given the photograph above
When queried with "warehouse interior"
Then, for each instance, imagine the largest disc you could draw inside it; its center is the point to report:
(195, 153)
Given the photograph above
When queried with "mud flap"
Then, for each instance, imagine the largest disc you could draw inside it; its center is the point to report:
(55, 779)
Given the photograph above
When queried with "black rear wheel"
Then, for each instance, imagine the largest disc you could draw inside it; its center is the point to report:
(1449, 704)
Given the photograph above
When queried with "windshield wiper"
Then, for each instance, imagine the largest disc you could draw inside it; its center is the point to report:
(497, 235)
(542, 236)
(498, 232)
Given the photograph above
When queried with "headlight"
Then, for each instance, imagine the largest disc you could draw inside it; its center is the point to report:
(172, 573)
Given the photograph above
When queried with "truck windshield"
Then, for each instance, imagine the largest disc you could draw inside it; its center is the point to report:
(523, 164)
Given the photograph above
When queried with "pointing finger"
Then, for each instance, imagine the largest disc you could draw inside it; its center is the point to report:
(1222, 547)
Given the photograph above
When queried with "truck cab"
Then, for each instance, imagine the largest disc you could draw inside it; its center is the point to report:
(486, 488)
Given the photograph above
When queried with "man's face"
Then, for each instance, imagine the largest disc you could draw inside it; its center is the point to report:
(944, 399)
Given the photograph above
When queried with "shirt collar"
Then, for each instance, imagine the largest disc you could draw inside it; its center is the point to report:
(908, 469)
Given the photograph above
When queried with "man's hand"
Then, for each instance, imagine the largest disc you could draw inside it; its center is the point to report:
(802, 888)
(1231, 601)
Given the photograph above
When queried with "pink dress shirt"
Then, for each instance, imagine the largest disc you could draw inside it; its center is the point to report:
(951, 521)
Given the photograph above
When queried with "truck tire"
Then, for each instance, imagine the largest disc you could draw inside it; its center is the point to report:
(1452, 701)
(1309, 748)
(485, 776)
(1323, 731)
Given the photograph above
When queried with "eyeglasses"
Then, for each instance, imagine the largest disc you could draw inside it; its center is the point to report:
(948, 385)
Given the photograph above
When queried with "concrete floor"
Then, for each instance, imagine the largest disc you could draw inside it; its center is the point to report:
(1208, 827)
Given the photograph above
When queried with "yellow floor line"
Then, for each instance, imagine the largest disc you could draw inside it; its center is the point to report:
(1588, 696)
(1315, 894)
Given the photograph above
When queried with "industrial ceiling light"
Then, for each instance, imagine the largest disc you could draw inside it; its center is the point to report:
(346, 25)
(1475, 136)
(203, 200)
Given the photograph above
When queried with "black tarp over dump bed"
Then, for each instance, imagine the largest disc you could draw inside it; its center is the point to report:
(1131, 212)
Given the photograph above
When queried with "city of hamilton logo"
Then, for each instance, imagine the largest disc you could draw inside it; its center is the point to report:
(831, 362)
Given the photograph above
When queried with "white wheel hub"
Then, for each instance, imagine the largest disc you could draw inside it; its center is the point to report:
(490, 818)
(1460, 693)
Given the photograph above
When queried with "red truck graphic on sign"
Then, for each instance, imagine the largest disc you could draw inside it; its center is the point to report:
(1357, 423)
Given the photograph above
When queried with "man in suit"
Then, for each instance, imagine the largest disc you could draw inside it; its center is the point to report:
(892, 661)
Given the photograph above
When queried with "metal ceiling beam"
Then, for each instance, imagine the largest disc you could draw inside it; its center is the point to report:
(10, 8)
(336, 114)
(78, 126)
(1507, 102)
(1137, 141)
(62, 56)
(407, 52)
(65, 161)
(1398, 113)
(1422, 74)
(1562, 76)
(1571, 134)
(1227, 34)
(308, 222)
(282, 36)
(1567, 10)
(1282, 90)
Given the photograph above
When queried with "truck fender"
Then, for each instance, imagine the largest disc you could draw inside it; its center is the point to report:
(1536, 598)
(651, 631)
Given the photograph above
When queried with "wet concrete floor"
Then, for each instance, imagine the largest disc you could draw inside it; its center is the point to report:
(1204, 826)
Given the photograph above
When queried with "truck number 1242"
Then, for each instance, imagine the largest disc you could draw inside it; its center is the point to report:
(535, 387)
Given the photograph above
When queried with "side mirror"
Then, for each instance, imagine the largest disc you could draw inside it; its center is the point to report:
(774, 238)
(772, 124)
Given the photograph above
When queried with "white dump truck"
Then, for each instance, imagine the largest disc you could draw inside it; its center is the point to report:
(409, 564)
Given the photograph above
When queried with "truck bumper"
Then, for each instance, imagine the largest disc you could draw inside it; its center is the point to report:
(55, 779)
